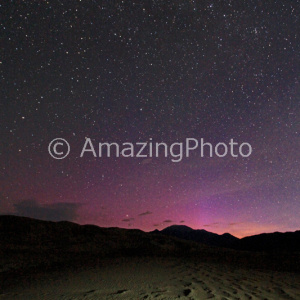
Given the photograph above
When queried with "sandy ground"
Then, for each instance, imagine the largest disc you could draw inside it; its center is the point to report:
(156, 278)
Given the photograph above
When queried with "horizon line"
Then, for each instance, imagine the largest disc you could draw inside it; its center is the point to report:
(90, 224)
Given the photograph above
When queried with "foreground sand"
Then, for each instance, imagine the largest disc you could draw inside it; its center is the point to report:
(156, 278)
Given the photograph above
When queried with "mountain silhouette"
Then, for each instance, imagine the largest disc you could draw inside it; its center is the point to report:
(32, 250)
(67, 237)
(199, 236)
(277, 241)
(45, 245)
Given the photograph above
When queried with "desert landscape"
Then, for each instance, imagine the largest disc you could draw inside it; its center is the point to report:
(64, 260)
(150, 150)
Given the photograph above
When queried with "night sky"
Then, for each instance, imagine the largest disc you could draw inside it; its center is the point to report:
(131, 71)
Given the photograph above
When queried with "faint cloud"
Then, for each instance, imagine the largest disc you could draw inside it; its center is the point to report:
(61, 211)
(211, 224)
(128, 220)
(145, 213)
(182, 221)
(167, 221)
(232, 224)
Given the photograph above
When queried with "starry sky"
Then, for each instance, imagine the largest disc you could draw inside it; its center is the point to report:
(127, 71)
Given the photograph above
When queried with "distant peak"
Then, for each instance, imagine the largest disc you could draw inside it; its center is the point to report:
(228, 235)
(179, 227)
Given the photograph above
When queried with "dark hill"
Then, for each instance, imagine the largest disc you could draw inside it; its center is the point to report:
(277, 241)
(36, 235)
(200, 236)
(27, 243)
(270, 242)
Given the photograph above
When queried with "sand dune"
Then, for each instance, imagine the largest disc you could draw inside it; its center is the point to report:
(157, 278)
(47, 260)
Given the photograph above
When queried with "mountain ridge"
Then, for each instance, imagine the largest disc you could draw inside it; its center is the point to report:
(27, 243)
(199, 235)
(16, 228)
